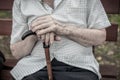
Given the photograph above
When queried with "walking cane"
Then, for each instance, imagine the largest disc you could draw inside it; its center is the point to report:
(47, 54)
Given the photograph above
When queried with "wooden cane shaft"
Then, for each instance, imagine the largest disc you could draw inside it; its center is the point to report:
(48, 61)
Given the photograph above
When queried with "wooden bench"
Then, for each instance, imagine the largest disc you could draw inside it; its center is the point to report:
(109, 72)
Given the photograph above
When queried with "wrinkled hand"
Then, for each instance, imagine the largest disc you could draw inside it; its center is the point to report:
(44, 27)
(44, 24)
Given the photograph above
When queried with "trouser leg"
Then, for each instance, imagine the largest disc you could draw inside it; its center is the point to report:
(63, 71)
(64, 75)
(75, 76)
(40, 75)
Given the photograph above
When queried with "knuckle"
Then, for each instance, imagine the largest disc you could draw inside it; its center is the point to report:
(50, 18)
(51, 22)
(37, 32)
(52, 36)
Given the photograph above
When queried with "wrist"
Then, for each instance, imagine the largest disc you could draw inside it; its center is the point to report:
(61, 29)
(66, 30)
(32, 38)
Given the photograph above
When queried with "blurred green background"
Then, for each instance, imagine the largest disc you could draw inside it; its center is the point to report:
(108, 53)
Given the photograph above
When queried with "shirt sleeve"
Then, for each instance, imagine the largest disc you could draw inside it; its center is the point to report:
(19, 25)
(97, 17)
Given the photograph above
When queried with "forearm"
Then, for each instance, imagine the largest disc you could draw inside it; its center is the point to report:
(23, 48)
(85, 37)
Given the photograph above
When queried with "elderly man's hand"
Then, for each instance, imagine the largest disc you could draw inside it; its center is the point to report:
(44, 27)
(46, 24)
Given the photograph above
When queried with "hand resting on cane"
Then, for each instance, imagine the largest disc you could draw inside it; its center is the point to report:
(48, 38)
(24, 47)
(84, 36)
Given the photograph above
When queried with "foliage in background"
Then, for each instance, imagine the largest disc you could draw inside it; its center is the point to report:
(109, 53)
(5, 14)
(4, 40)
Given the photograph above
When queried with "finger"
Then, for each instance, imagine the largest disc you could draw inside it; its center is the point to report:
(39, 36)
(44, 31)
(39, 22)
(47, 38)
(42, 26)
(57, 38)
(43, 38)
(52, 37)
(42, 19)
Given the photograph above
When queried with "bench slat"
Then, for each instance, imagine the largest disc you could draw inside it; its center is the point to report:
(112, 33)
(108, 79)
(108, 71)
(8, 65)
(5, 75)
(5, 26)
(111, 6)
(6, 4)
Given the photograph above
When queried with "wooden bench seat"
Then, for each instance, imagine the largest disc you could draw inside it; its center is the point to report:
(109, 72)
(8, 65)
